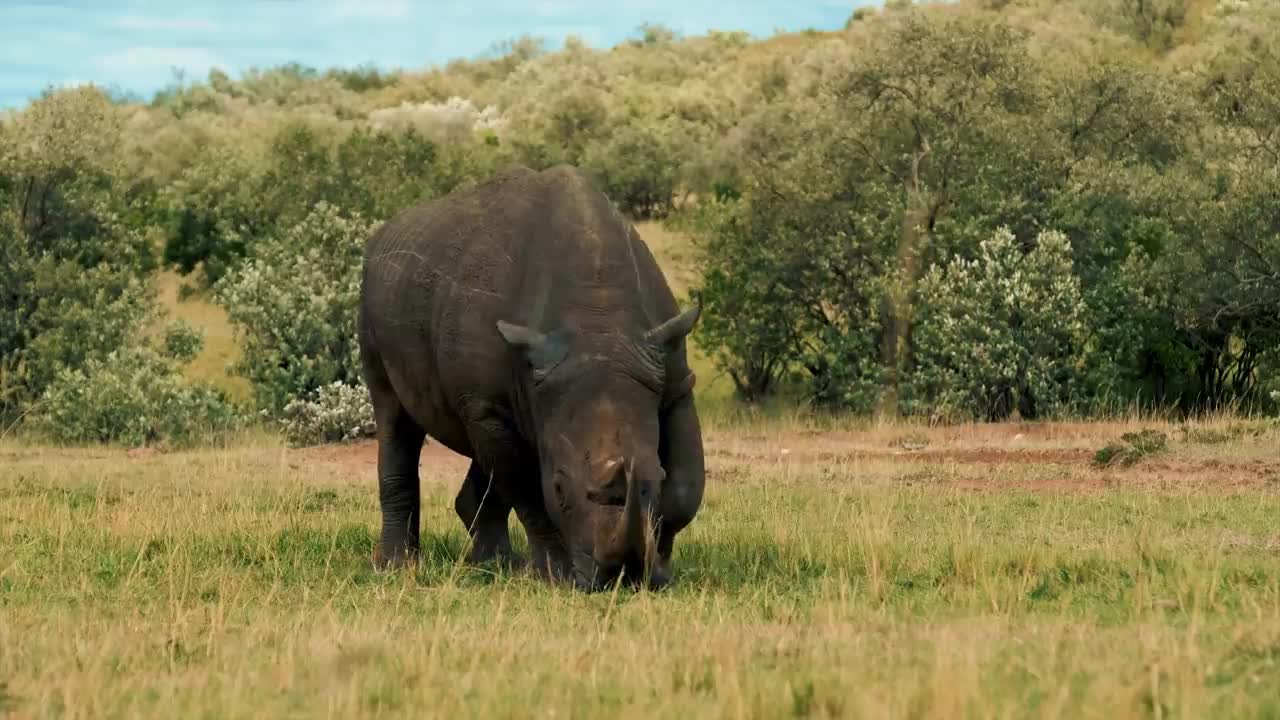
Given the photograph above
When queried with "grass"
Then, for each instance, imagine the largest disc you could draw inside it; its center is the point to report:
(991, 571)
(220, 350)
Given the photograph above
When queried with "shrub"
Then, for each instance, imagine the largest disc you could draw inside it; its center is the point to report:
(133, 397)
(1003, 331)
(1131, 448)
(182, 341)
(293, 302)
(74, 258)
(336, 412)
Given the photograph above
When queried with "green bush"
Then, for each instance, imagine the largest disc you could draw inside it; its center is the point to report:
(1004, 331)
(1131, 448)
(293, 302)
(134, 397)
(182, 341)
(226, 201)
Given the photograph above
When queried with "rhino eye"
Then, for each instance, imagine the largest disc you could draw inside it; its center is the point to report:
(538, 374)
(557, 487)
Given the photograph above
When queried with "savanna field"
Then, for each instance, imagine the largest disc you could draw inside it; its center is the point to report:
(837, 569)
(988, 367)
(986, 571)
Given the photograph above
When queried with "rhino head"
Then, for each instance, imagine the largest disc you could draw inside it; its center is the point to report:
(594, 401)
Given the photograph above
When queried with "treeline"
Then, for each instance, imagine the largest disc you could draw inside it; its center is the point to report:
(955, 210)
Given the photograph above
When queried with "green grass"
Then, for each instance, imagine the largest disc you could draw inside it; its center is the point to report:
(868, 582)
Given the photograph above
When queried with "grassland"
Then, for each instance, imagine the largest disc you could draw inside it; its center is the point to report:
(978, 571)
(835, 571)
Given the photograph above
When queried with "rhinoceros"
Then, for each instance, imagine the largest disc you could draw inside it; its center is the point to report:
(524, 324)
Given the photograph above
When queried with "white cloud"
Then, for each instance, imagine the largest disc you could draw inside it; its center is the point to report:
(145, 23)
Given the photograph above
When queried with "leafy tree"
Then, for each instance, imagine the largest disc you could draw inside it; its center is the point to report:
(215, 206)
(73, 261)
(903, 158)
(637, 167)
(941, 109)
(226, 201)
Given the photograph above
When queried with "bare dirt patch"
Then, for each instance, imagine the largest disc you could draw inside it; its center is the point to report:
(361, 458)
(1045, 458)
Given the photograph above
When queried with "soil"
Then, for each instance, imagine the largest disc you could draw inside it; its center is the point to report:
(979, 460)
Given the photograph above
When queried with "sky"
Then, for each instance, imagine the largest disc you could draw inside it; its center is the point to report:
(133, 45)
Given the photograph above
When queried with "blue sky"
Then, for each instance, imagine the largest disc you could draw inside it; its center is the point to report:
(134, 44)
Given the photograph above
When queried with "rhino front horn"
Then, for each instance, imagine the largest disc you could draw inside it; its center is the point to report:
(670, 333)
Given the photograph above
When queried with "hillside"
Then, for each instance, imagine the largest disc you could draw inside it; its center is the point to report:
(982, 209)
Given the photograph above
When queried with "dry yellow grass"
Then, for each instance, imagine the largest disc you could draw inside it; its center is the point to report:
(977, 575)
(220, 348)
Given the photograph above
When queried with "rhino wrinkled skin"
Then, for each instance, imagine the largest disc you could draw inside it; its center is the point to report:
(525, 325)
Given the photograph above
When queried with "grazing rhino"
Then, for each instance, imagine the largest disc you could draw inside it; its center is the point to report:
(524, 324)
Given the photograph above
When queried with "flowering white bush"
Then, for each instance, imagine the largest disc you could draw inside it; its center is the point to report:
(336, 412)
(294, 304)
(455, 119)
(1003, 331)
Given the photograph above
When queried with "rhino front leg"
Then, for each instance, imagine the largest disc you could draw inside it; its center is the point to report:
(681, 453)
(399, 494)
(515, 481)
(484, 513)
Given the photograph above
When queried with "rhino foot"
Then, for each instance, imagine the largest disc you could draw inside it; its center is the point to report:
(501, 556)
(395, 557)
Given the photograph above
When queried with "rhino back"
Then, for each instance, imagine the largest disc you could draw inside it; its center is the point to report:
(544, 249)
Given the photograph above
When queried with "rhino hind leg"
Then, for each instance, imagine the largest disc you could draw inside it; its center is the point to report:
(400, 440)
(484, 514)
(399, 493)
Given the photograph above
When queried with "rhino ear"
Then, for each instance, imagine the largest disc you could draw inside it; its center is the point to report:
(669, 334)
(541, 351)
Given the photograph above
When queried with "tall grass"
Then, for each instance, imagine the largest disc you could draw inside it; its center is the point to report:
(237, 583)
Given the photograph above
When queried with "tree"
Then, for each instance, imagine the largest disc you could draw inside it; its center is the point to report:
(74, 257)
(940, 109)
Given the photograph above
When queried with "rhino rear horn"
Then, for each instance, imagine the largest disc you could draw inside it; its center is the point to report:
(670, 333)
(540, 350)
